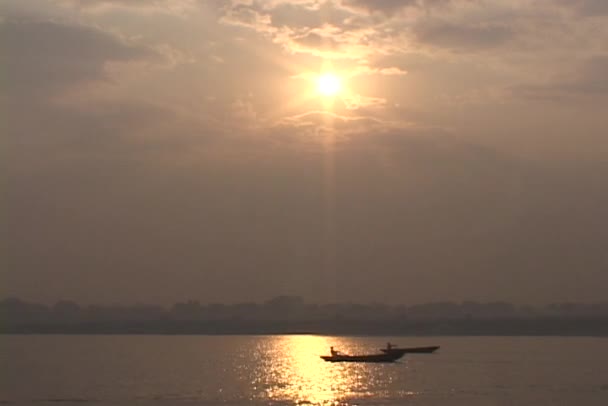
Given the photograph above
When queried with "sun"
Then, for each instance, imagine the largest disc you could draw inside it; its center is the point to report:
(328, 84)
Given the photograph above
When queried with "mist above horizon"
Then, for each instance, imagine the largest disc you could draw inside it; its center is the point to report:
(340, 150)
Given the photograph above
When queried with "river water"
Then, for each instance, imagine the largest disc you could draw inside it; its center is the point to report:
(287, 370)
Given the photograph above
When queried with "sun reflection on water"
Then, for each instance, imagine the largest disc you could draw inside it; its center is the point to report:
(293, 372)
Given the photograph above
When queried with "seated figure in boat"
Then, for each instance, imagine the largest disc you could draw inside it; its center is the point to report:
(332, 351)
(389, 346)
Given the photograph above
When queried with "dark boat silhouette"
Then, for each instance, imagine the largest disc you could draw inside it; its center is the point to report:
(381, 357)
(410, 350)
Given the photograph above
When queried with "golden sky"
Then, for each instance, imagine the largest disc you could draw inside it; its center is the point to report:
(239, 149)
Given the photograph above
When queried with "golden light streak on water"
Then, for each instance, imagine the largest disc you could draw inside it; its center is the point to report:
(295, 373)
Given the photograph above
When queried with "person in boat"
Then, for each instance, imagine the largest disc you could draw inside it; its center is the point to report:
(332, 351)
(389, 346)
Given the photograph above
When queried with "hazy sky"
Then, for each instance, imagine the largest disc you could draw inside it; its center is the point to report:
(161, 150)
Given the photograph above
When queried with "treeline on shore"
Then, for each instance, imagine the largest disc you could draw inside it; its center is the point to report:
(290, 314)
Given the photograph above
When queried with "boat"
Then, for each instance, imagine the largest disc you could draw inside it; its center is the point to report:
(410, 350)
(381, 357)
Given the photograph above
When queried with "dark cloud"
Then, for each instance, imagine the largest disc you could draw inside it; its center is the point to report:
(586, 7)
(391, 6)
(463, 36)
(386, 6)
(43, 56)
(162, 5)
(590, 80)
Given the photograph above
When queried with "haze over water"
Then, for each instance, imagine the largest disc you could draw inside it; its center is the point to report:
(287, 370)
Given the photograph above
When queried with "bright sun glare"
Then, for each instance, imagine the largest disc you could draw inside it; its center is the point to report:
(328, 84)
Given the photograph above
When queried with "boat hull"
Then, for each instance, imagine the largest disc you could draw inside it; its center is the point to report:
(376, 358)
(411, 350)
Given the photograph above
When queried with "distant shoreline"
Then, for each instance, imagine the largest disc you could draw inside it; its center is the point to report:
(5, 334)
(587, 327)
(292, 315)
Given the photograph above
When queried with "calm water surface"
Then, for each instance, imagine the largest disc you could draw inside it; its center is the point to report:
(287, 370)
